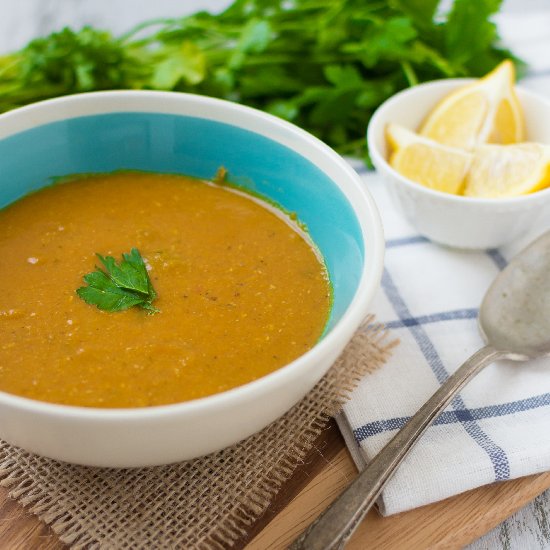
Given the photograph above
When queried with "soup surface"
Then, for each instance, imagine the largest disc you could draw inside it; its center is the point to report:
(241, 291)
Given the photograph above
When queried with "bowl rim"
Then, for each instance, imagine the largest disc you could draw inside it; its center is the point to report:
(368, 220)
(449, 83)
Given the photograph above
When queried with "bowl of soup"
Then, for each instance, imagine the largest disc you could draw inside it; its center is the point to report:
(177, 272)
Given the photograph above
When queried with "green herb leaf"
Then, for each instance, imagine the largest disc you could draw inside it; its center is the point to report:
(469, 30)
(121, 286)
(421, 11)
(185, 62)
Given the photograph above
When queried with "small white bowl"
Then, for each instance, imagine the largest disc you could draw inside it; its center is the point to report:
(452, 220)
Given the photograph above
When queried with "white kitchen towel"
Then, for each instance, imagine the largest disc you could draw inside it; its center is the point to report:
(498, 428)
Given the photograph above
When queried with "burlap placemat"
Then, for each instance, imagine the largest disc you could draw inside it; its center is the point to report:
(204, 503)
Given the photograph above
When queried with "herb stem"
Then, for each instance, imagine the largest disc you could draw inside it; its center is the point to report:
(410, 75)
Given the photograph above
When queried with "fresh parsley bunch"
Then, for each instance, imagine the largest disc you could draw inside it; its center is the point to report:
(322, 64)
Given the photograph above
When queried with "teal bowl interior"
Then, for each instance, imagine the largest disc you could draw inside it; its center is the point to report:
(196, 147)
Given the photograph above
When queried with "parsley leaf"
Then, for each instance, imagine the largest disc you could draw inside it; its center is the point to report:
(121, 286)
(470, 24)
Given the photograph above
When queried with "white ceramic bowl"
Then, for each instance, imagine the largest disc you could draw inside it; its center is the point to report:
(194, 135)
(457, 221)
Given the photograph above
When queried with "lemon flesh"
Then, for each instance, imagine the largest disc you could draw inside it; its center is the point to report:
(426, 162)
(486, 111)
(499, 171)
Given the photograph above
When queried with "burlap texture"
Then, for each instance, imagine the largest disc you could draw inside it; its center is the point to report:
(204, 503)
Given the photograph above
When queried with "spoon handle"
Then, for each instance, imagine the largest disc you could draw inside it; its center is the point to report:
(332, 529)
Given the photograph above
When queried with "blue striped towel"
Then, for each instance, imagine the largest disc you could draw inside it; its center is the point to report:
(498, 428)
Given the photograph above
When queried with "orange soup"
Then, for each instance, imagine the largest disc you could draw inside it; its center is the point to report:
(241, 291)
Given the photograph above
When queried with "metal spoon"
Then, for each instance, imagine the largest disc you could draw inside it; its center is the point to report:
(514, 320)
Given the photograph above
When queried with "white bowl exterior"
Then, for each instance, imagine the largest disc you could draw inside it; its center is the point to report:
(451, 220)
(161, 435)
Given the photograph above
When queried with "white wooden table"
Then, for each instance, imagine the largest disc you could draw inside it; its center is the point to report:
(524, 26)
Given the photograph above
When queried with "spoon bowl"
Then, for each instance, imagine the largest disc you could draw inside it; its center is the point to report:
(514, 316)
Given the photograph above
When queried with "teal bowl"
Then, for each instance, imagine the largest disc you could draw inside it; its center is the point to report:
(192, 135)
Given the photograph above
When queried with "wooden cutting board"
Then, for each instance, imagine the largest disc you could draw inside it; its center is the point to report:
(327, 470)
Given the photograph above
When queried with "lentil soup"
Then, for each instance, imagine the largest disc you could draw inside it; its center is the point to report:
(241, 291)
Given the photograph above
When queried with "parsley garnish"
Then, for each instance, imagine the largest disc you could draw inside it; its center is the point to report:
(120, 286)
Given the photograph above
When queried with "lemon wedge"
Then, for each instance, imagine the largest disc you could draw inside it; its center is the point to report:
(426, 162)
(486, 111)
(499, 171)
